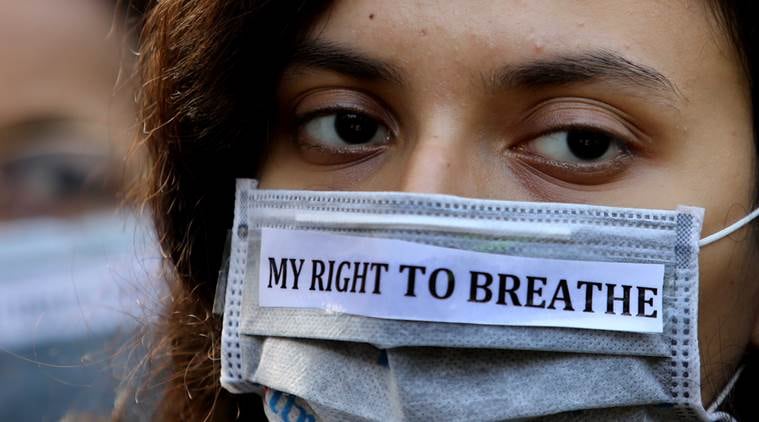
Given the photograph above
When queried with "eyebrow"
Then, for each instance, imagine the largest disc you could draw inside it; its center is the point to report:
(579, 68)
(341, 59)
(598, 65)
(36, 126)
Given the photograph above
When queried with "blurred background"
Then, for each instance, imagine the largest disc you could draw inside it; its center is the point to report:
(78, 263)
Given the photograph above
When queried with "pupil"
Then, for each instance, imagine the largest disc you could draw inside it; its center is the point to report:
(354, 128)
(587, 145)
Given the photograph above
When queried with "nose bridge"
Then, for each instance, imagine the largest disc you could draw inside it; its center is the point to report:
(438, 159)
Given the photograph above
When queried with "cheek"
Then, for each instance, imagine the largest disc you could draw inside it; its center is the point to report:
(727, 302)
(285, 168)
(281, 169)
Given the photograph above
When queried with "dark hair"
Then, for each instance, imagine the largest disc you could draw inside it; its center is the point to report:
(739, 20)
(209, 69)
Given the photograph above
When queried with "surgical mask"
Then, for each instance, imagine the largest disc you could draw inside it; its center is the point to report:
(400, 306)
(70, 278)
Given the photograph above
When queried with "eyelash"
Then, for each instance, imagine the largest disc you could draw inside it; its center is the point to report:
(304, 118)
(338, 100)
(582, 172)
(301, 120)
(630, 146)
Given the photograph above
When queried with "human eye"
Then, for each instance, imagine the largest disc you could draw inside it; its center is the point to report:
(55, 182)
(583, 145)
(579, 146)
(341, 126)
(341, 129)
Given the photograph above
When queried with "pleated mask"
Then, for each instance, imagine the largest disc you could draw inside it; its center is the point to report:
(402, 306)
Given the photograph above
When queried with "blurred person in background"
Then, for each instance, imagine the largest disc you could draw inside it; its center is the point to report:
(72, 260)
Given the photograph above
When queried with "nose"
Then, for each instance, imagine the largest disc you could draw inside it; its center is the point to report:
(432, 168)
(442, 160)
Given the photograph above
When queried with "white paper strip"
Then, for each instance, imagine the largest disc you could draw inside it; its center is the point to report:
(396, 279)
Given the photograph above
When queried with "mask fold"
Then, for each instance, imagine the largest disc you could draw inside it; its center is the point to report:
(356, 367)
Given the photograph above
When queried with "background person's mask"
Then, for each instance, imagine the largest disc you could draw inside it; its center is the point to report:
(511, 327)
(63, 279)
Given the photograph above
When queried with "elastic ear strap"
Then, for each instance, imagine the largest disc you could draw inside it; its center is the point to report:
(718, 416)
(727, 231)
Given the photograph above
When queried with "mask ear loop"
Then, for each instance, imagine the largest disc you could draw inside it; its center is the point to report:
(727, 231)
(716, 415)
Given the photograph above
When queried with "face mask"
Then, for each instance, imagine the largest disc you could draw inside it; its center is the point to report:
(69, 278)
(397, 306)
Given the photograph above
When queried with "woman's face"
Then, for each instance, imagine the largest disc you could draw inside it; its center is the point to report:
(638, 104)
(64, 118)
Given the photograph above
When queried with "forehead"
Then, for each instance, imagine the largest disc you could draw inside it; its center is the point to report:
(54, 55)
(498, 24)
(454, 39)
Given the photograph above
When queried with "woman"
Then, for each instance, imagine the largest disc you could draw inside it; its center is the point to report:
(639, 104)
(66, 124)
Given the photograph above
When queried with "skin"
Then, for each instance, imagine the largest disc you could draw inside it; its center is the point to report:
(60, 97)
(689, 136)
